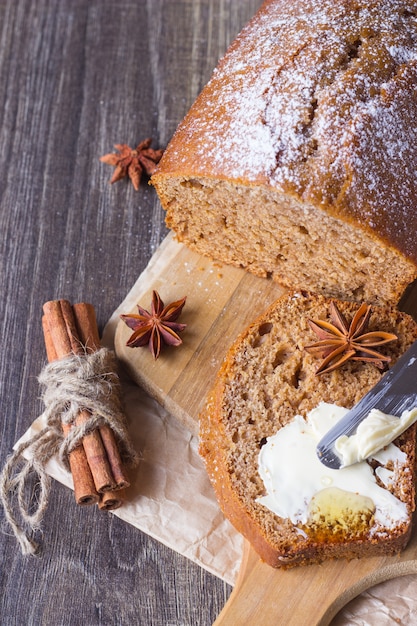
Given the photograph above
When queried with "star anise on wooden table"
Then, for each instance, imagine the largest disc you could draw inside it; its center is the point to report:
(157, 327)
(340, 341)
(133, 162)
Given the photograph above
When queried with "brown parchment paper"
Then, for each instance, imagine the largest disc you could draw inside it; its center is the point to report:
(171, 498)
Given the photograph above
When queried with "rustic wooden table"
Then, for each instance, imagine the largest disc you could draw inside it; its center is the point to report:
(75, 78)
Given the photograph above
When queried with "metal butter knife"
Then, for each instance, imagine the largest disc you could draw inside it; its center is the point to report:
(394, 393)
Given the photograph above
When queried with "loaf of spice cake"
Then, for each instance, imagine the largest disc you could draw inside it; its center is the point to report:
(268, 385)
(299, 158)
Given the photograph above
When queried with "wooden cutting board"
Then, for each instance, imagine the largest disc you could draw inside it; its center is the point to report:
(221, 302)
(306, 596)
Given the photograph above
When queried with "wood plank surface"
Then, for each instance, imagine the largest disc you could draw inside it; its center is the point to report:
(76, 77)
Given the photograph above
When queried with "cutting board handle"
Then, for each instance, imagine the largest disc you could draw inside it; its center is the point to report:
(311, 595)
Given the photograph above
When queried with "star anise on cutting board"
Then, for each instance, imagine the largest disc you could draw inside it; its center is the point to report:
(340, 341)
(157, 327)
(133, 162)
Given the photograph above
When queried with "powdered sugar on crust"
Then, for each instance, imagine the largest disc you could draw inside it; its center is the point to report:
(319, 100)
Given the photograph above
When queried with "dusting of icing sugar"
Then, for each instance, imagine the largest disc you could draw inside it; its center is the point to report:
(307, 96)
(402, 55)
(383, 151)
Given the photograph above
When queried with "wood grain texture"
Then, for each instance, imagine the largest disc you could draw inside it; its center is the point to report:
(221, 301)
(75, 78)
(311, 595)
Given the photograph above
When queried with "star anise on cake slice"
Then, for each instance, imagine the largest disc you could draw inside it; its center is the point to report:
(340, 341)
(133, 162)
(157, 327)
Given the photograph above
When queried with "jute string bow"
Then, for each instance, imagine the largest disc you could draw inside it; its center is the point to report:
(74, 384)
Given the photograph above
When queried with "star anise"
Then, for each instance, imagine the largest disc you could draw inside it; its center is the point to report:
(341, 341)
(133, 163)
(157, 327)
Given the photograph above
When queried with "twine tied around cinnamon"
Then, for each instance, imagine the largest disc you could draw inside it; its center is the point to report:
(85, 383)
(85, 427)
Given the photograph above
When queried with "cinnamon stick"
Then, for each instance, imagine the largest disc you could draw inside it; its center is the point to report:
(72, 330)
(85, 319)
(84, 488)
(111, 500)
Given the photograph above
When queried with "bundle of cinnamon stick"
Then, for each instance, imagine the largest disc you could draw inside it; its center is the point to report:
(96, 466)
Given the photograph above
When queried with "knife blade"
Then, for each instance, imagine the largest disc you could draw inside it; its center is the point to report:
(394, 393)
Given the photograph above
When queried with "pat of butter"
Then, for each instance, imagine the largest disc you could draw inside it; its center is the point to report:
(375, 432)
(293, 475)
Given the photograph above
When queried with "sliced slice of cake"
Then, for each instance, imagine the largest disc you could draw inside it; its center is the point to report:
(267, 401)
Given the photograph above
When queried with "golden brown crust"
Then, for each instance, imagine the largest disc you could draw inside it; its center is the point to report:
(314, 102)
(226, 438)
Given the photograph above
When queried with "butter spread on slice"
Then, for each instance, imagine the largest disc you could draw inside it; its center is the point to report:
(293, 475)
